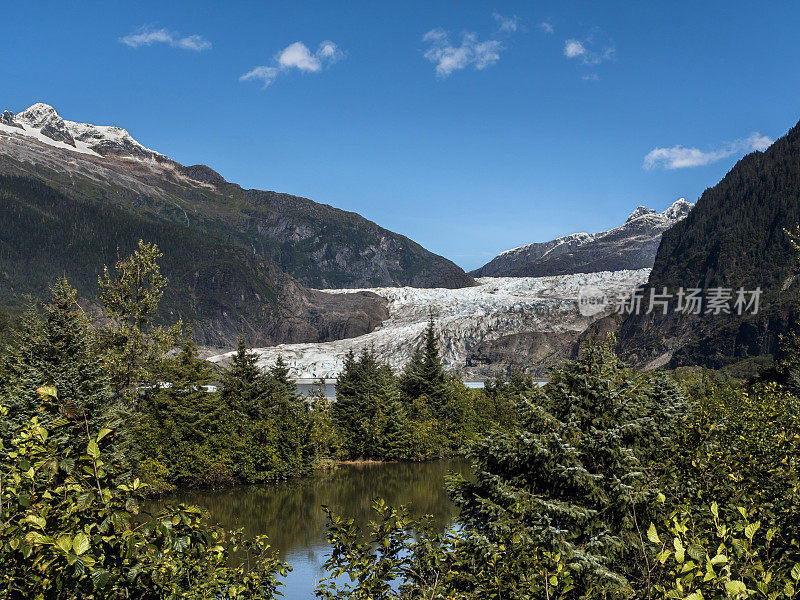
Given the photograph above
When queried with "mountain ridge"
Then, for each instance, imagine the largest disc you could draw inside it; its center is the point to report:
(631, 245)
(319, 245)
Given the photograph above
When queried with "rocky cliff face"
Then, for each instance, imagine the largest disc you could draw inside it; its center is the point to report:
(475, 326)
(632, 245)
(318, 245)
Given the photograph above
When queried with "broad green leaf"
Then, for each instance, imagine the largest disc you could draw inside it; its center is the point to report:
(652, 534)
(100, 578)
(80, 544)
(93, 450)
(64, 543)
(751, 529)
(47, 391)
(679, 550)
(735, 587)
(719, 558)
(36, 520)
(796, 571)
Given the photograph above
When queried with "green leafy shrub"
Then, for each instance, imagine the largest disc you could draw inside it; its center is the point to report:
(69, 531)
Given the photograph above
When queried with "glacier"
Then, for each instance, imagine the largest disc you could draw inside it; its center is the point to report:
(463, 317)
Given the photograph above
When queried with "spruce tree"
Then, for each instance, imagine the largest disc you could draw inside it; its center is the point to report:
(184, 424)
(566, 484)
(424, 375)
(288, 417)
(56, 347)
(244, 386)
(364, 390)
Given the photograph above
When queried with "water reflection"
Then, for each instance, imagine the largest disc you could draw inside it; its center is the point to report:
(290, 512)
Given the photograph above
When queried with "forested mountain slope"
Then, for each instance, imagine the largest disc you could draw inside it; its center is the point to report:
(734, 237)
(220, 288)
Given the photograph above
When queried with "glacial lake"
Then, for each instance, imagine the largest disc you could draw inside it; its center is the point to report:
(290, 514)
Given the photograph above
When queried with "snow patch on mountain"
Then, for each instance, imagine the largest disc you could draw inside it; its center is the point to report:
(463, 318)
(41, 122)
(631, 245)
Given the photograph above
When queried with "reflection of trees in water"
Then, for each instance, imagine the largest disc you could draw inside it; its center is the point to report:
(290, 512)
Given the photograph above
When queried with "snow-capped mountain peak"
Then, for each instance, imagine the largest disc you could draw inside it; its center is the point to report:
(631, 245)
(42, 121)
(679, 209)
(39, 114)
(640, 212)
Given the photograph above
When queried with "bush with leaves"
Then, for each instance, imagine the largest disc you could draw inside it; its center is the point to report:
(717, 554)
(69, 531)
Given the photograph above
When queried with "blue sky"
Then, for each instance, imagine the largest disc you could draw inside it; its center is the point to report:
(471, 127)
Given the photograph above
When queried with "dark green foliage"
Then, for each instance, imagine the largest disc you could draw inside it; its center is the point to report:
(421, 414)
(56, 347)
(424, 374)
(257, 428)
(70, 532)
(184, 431)
(733, 237)
(366, 392)
(569, 480)
(243, 385)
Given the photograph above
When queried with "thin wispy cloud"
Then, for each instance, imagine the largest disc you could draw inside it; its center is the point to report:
(449, 57)
(507, 24)
(148, 36)
(547, 27)
(680, 157)
(470, 51)
(584, 51)
(591, 77)
(295, 56)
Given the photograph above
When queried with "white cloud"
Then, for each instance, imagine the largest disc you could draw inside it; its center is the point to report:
(591, 77)
(147, 36)
(448, 57)
(295, 56)
(298, 56)
(507, 24)
(547, 27)
(265, 74)
(193, 42)
(680, 157)
(574, 48)
(582, 49)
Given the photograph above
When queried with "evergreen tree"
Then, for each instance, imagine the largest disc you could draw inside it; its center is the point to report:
(566, 484)
(134, 346)
(56, 347)
(184, 426)
(244, 385)
(288, 419)
(424, 375)
(364, 390)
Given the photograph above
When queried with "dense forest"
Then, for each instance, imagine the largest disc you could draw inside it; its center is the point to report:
(607, 482)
